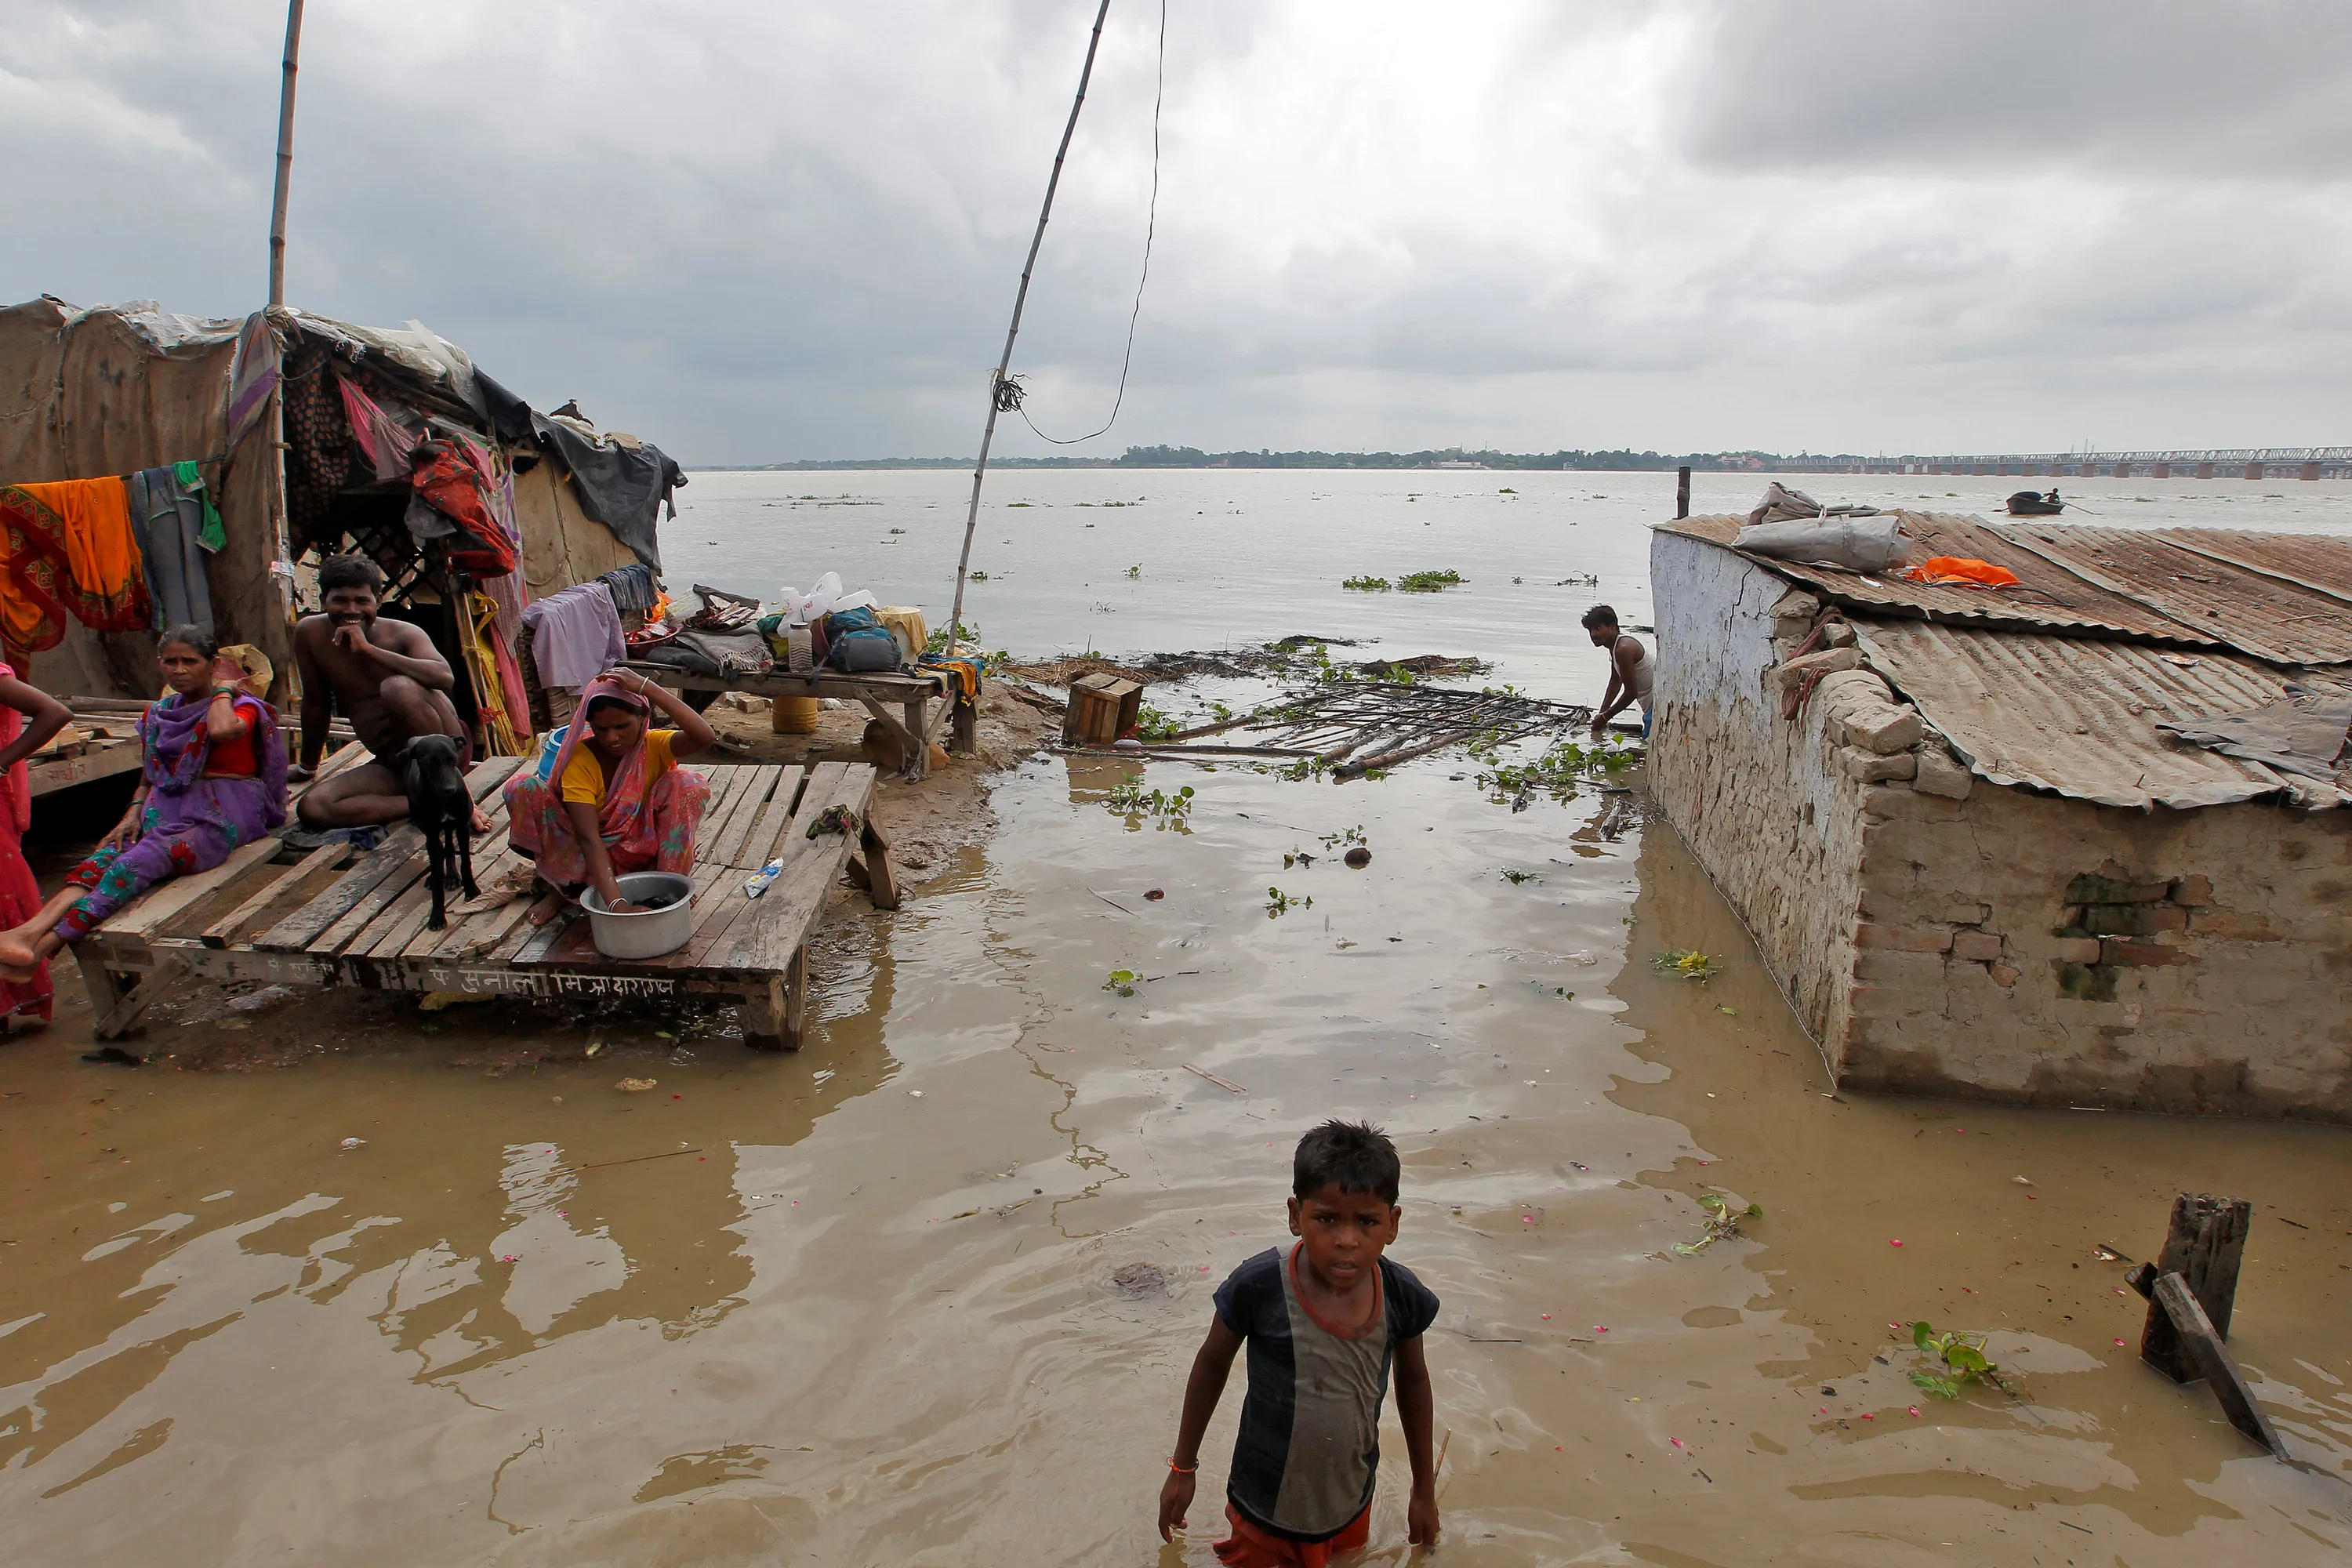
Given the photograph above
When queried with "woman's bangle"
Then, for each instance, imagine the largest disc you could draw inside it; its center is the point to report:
(1183, 1469)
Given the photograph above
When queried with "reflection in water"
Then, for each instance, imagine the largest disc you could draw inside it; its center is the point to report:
(937, 1307)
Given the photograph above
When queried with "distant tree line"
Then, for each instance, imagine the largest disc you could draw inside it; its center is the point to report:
(1621, 460)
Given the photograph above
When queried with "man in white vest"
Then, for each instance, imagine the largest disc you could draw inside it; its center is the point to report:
(1632, 669)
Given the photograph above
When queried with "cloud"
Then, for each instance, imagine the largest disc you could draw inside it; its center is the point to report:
(754, 232)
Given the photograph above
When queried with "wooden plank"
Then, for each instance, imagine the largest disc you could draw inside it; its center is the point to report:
(727, 845)
(146, 916)
(390, 858)
(464, 930)
(483, 934)
(352, 926)
(489, 856)
(302, 879)
(105, 759)
(713, 943)
(796, 901)
(2212, 1359)
(298, 930)
(730, 792)
(390, 932)
(760, 848)
(887, 686)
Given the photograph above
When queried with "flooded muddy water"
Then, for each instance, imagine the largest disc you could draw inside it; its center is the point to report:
(926, 1292)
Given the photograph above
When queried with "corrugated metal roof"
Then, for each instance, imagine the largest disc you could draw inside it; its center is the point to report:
(2048, 595)
(2310, 560)
(2262, 614)
(2078, 716)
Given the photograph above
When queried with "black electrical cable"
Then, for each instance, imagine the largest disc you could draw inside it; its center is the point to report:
(1009, 392)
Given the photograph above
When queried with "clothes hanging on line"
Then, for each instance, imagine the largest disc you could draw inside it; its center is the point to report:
(67, 549)
(167, 523)
(454, 482)
(575, 635)
(634, 589)
(387, 440)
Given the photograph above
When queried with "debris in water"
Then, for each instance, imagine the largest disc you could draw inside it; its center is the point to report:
(1687, 963)
(1731, 1012)
(2022, 1181)
(915, 1094)
(1156, 894)
(354, 1142)
(1722, 1223)
(1359, 857)
(635, 1085)
(822, 1076)
(1213, 1077)
(269, 996)
(2109, 1255)
(1137, 1280)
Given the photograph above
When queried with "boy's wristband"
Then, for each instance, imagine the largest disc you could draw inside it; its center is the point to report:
(1183, 1469)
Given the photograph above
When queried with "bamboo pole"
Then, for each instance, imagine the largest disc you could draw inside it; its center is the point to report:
(1020, 301)
(285, 156)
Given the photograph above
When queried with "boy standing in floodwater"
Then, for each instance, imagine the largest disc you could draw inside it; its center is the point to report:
(1324, 1323)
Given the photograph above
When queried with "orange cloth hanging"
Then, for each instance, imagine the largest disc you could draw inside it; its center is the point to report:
(1961, 571)
(100, 549)
(68, 548)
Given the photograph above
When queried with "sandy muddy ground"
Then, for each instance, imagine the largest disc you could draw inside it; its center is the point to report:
(864, 1305)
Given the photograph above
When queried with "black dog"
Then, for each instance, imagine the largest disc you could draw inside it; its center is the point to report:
(432, 773)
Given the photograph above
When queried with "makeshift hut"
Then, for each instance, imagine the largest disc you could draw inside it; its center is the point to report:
(307, 436)
(2075, 841)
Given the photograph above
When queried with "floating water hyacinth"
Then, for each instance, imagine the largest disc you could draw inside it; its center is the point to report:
(1687, 963)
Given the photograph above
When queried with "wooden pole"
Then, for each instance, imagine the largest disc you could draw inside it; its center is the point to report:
(2204, 1245)
(285, 156)
(1682, 491)
(1004, 361)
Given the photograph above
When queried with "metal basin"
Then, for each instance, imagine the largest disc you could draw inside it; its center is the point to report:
(651, 934)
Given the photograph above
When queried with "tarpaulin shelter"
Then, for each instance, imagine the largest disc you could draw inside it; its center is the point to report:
(315, 435)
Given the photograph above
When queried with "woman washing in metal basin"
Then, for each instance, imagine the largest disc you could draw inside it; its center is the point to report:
(615, 800)
(213, 776)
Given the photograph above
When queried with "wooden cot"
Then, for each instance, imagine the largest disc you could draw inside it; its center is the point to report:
(332, 918)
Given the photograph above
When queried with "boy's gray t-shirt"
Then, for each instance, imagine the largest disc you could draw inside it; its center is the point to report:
(1309, 1448)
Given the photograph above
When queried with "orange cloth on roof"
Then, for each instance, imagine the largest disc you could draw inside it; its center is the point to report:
(100, 549)
(1961, 571)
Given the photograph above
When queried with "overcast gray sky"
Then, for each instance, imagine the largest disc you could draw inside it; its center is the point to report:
(753, 230)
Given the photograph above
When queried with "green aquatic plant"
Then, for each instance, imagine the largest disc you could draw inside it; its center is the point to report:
(1278, 902)
(1134, 571)
(1429, 582)
(1367, 585)
(1344, 837)
(1151, 724)
(1515, 875)
(1123, 981)
(1132, 800)
(1556, 773)
(1687, 963)
(1962, 1357)
(1722, 1224)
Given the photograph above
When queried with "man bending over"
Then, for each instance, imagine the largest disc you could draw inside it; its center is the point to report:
(386, 677)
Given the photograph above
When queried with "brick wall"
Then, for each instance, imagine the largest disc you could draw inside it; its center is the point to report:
(1940, 934)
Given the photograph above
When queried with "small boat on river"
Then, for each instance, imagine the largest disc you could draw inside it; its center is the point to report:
(2031, 504)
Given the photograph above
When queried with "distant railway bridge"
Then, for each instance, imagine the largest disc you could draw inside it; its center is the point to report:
(2217, 462)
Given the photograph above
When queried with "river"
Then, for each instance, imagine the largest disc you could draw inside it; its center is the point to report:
(876, 1302)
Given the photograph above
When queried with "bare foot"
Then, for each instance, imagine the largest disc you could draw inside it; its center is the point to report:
(18, 958)
(547, 908)
(481, 822)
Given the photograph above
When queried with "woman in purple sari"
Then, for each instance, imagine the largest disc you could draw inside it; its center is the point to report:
(213, 777)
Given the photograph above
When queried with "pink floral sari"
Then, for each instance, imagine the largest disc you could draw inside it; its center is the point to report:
(643, 827)
(20, 893)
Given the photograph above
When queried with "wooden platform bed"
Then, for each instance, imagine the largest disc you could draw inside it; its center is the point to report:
(329, 918)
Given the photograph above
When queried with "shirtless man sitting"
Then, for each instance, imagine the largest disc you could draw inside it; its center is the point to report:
(387, 678)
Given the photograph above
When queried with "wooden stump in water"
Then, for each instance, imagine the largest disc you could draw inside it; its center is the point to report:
(2205, 1246)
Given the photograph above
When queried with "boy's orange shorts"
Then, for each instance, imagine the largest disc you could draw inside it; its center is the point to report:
(1250, 1547)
